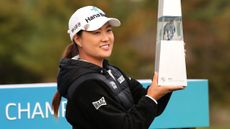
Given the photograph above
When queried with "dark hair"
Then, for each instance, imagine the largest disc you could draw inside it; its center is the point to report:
(70, 51)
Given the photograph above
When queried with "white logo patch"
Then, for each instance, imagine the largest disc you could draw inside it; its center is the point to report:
(99, 103)
(121, 79)
(113, 84)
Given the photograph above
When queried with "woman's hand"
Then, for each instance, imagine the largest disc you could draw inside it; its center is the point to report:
(157, 92)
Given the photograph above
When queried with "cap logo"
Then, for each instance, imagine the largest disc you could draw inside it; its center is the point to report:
(98, 14)
(75, 27)
(90, 18)
(95, 9)
(86, 26)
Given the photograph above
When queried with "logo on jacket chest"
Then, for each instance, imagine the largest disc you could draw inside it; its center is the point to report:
(113, 84)
(121, 79)
(101, 102)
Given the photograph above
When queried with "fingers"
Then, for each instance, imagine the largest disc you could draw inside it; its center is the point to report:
(155, 77)
(173, 88)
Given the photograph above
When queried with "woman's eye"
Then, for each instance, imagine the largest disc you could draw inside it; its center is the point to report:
(109, 30)
(96, 32)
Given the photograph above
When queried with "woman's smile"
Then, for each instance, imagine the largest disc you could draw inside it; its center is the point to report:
(105, 47)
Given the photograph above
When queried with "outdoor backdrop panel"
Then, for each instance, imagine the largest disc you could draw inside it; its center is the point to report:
(28, 106)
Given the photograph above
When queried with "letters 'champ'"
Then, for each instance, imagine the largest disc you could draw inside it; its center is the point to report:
(89, 18)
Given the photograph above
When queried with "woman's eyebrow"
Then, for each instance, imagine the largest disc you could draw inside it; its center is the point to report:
(108, 26)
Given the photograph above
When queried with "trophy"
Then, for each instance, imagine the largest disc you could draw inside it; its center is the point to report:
(170, 54)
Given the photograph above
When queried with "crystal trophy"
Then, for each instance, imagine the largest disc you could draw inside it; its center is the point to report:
(170, 55)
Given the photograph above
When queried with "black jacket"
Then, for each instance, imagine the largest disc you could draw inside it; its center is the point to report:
(94, 106)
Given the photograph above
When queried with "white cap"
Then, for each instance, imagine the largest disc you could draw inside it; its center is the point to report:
(89, 18)
(169, 8)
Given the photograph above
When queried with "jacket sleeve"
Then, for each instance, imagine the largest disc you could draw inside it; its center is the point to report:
(97, 106)
(139, 91)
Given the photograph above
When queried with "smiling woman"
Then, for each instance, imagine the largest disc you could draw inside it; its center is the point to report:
(95, 46)
(97, 91)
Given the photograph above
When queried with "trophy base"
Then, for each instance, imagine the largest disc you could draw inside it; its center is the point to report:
(170, 63)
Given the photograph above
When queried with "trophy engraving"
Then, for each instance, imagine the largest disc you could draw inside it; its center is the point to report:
(169, 30)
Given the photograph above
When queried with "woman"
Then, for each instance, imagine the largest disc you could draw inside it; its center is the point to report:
(100, 96)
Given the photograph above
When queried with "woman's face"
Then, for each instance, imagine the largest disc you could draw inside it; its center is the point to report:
(96, 45)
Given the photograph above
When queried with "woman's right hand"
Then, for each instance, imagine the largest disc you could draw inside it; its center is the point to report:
(157, 92)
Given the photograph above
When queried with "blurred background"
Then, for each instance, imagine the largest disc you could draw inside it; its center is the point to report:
(33, 35)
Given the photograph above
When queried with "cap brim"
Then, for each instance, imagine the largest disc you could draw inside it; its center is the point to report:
(99, 22)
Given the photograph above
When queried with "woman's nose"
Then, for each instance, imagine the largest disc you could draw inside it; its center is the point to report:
(105, 36)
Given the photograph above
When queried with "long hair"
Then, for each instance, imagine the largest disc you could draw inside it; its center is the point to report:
(70, 51)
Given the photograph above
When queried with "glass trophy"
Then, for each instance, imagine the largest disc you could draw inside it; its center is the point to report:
(170, 57)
